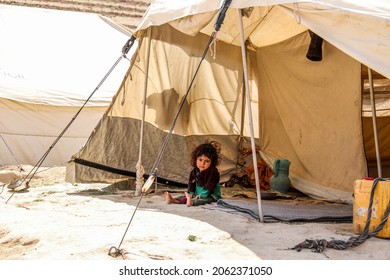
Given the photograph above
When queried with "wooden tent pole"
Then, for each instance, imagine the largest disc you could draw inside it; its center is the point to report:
(249, 111)
(373, 112)
(139, 168)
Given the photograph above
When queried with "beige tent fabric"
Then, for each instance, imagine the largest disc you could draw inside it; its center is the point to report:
(313, 120)
(214, 105)
(295, 123)
(307, 112)
(213, 109)
(262, 25)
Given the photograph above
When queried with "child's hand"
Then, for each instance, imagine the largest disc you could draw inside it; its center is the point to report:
(198, 196)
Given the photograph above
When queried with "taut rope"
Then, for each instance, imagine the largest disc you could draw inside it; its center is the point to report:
(33, 171)
(116, 251)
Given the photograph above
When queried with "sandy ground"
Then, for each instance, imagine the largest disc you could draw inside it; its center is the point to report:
(55, 220)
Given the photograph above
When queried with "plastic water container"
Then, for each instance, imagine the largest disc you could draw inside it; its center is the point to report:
(381, 199)
(280, 181)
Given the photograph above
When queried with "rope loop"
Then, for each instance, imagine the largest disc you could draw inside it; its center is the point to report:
(297, 13)
(213, 46)
(318, 245)
(115, 252)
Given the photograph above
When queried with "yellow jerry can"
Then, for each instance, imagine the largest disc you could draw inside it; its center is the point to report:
(380, 202)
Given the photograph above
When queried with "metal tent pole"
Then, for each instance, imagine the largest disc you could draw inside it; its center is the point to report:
(249, 110)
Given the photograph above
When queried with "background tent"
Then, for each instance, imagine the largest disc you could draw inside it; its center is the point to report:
(309, 112)
(50, 62)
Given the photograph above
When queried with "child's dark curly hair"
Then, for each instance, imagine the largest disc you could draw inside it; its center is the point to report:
(210, 149)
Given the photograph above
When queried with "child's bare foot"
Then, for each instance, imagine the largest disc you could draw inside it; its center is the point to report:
(189, 199)
(168, 198)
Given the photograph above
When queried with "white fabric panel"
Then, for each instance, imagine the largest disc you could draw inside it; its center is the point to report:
(163, 11)
(359, 28)
(57, 57)
(362, 34)
(50, 63)
(28, 130)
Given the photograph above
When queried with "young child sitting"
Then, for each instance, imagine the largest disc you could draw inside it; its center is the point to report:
(203, 184)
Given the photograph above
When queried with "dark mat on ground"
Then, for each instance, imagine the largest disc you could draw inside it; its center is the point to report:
(291, 212)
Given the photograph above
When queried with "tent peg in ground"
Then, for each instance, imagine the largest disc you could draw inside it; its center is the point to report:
(18, 185)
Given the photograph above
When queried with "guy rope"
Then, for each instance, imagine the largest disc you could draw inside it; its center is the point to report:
(24, 183)
(116, 251)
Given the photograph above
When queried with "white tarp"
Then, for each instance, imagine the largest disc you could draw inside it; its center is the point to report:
(359, 28)
(50, 63)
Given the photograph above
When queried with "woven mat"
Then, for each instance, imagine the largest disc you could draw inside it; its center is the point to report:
(291, 211)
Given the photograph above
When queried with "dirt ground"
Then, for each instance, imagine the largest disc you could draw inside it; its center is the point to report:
(55, 220)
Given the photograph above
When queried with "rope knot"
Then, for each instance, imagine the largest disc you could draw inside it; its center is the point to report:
(317, 246)
(115, 252)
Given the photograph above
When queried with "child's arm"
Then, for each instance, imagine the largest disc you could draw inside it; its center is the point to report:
(192, 182)
(212, 179)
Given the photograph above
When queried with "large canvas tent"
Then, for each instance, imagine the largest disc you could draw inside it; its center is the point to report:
(50, 63)
(312, 113)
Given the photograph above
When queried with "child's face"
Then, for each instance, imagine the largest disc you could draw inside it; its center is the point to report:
(203, 162)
